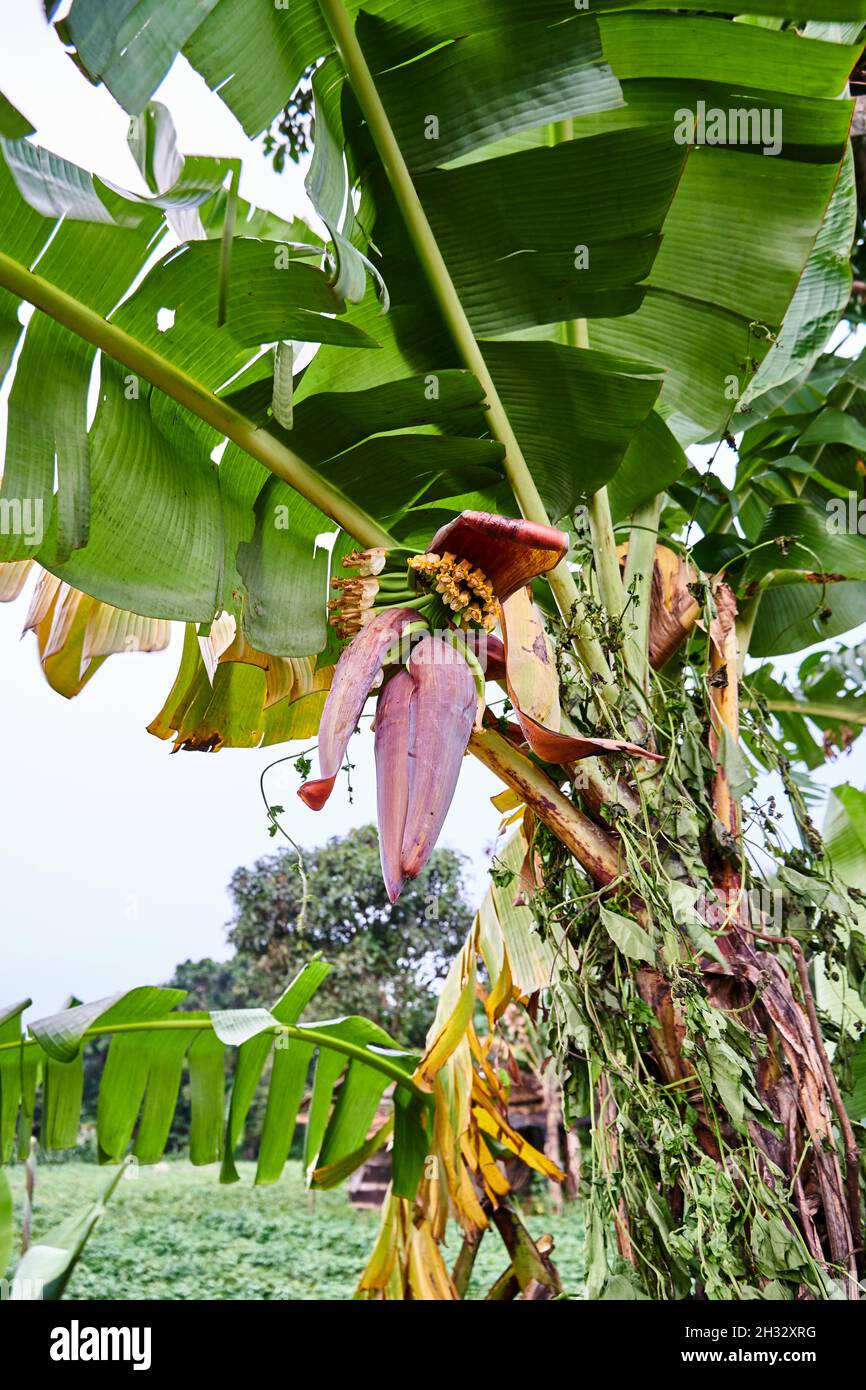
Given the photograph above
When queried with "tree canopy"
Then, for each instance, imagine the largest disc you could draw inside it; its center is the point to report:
(388, 960)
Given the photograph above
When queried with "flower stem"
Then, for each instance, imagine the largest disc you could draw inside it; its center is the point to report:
(604, 554)
(638, 585)
(396, 598)
(460, 643)
(605, 561)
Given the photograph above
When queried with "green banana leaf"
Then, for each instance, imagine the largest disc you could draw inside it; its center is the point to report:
(346, 1064)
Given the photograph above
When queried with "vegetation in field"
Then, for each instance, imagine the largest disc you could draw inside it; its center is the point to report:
(172, 1232)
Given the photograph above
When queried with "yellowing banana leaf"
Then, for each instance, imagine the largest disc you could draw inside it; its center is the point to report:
(76, 633)
(249, 699)
(381, 1278)
(488, 1172)
(500, 996)
(469, 1098)
(531, 959)
(13, 577)
(429, 1280)
(490, 1122)
(453, 1028)
(407, 1261)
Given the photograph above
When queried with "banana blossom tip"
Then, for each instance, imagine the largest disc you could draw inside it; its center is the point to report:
(424, 718)
(419, 751)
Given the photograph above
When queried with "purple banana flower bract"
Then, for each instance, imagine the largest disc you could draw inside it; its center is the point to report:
(353, 676)
(392, 776)
(510, 551)
(441, 714)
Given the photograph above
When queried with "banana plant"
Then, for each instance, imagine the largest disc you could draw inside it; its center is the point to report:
(563, 246)
(151, 1042)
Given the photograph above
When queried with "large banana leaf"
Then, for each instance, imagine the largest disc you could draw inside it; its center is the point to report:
(255, 55)
(821, 296)
(717, 292)
(845, 834)
(828, 700)
(349, 1064)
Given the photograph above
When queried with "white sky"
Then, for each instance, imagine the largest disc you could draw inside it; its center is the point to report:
(114, 855)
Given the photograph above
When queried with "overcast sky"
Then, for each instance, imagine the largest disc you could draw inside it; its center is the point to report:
(116, 855)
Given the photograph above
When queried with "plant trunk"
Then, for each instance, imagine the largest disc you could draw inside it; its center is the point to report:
(551, 1100)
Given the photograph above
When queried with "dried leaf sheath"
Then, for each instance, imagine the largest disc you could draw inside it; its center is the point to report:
(533, 687)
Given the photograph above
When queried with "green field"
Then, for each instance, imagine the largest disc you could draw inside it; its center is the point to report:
(176, 1233)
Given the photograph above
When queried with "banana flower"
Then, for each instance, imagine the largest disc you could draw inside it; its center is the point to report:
(428, 703)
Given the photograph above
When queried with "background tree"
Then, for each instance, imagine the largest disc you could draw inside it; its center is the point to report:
(387, 960)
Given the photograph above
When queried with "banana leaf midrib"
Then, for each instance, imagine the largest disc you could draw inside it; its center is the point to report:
(300, 1033)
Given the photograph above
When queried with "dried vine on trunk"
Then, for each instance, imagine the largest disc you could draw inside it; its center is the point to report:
(723, 1161)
